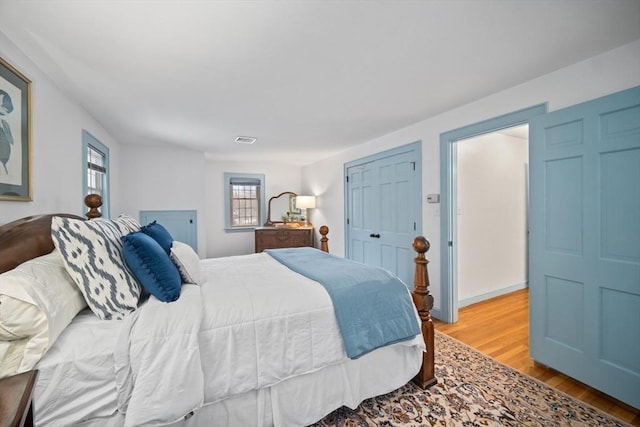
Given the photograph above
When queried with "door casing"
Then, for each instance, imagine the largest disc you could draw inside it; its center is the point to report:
(449, 289)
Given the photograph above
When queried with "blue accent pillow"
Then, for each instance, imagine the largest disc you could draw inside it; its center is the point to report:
(159, 234)
(151, 266)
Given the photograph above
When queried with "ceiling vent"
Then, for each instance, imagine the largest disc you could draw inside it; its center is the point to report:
(245, 139)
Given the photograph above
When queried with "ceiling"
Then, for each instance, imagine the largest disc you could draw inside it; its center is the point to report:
(307, 78)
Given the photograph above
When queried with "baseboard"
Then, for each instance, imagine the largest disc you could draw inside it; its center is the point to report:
(492, 294)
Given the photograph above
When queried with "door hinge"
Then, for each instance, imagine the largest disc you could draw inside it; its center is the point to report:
(190, 220)
(450, 243)
(413, 164)
(347, 178)
(347, 221)
(414, 226)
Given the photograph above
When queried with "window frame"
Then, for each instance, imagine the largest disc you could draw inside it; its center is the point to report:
(89, 140)
(228, 176)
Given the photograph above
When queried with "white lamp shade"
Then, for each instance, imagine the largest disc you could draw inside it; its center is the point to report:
(306, 202)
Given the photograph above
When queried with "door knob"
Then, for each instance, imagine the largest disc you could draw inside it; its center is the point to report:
(375, 236)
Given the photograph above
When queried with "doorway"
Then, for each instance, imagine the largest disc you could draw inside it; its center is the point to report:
(449, 202)
(491, 181)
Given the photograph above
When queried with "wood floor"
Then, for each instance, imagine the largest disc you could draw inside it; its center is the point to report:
(499, 327)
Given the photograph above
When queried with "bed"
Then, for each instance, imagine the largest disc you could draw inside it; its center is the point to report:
(248, 340)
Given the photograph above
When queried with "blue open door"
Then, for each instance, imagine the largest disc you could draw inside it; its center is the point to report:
(585, 243)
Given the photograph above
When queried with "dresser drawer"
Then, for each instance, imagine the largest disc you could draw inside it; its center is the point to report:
(282, 237)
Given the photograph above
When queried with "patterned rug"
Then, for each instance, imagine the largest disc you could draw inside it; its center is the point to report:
(472, 390)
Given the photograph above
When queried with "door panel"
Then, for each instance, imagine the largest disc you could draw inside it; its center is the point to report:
(362, 199)
(182, 225)
(563, 205)
(398, 209)
(585, 243)
(620, 186)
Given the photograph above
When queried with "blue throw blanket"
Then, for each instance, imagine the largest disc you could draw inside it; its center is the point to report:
(373, 307)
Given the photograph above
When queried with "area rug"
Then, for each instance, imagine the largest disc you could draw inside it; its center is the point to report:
(472, 390)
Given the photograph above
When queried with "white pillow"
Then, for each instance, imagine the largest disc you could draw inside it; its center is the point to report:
(38, 299)
(19, 319)
(92, 254)
(187, 261)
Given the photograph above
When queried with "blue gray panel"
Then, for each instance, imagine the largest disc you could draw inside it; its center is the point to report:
(564, 135)
(620, 205)
(619, 126)
(181, 224)
(563, 206)
(619, 343)
(564, 314)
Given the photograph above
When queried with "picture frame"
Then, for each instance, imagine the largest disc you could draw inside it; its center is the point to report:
(292, 206)
(15, 134)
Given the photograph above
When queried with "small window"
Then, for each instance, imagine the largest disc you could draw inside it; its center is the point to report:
(96, 170)
(95, 160)
(244, 201)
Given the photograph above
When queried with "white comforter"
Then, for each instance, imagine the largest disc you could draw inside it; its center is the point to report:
(252, 324)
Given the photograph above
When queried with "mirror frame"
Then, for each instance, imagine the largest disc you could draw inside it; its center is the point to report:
(270, 223)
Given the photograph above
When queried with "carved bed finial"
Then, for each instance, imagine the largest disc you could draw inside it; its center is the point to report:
(324, 241)
(93, 202)
(424, 303)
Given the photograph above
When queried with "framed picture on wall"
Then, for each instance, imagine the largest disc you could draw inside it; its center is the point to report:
(15, 134)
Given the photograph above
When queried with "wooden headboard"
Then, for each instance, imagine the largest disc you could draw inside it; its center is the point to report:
(26, 238)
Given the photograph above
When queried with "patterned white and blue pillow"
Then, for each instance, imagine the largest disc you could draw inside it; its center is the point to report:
(92, 255)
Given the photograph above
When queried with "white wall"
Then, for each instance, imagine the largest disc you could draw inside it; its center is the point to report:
(601, 75)
(175, 179)
(492, 216)
(160, 178)
(278, 178)
(56, 165)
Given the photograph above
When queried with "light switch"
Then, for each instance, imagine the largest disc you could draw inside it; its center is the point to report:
(433, 198)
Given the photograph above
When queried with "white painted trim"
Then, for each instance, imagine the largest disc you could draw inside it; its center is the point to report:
(492, 294)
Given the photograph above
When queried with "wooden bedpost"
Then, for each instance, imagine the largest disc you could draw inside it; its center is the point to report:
(93, 202)
(424, 303)
(324, 245)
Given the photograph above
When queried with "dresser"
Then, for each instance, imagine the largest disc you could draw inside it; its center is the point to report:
(283, 237)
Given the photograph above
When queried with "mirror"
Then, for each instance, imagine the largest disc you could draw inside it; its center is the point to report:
(278, 207)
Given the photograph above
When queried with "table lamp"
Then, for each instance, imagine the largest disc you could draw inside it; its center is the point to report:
(306, 202)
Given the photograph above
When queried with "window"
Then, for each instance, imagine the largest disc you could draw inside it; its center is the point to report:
(244, 201)
(95, 166)
(96, 170)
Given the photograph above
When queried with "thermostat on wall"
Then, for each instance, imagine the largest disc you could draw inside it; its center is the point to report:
(433, 198)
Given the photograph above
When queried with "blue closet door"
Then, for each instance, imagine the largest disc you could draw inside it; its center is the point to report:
(182, 225)
(383, 207)
(585, 243)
